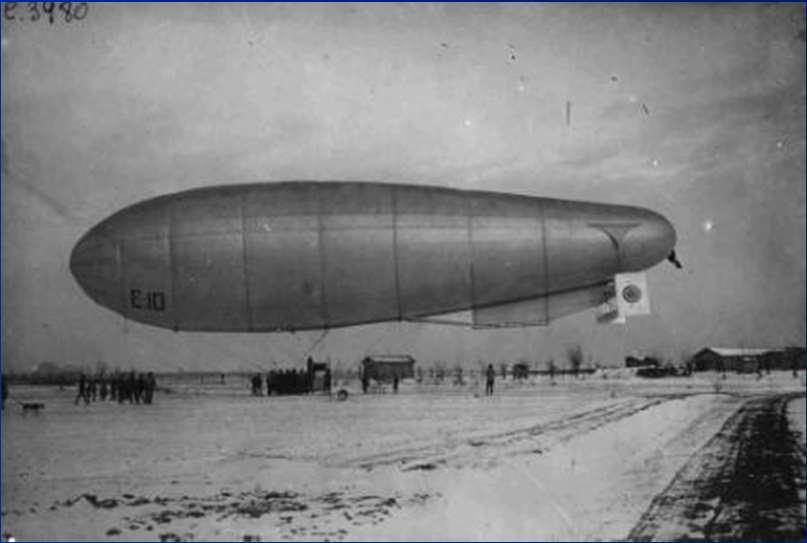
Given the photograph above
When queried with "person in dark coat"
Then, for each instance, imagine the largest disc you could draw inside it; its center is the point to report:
(131, 388)
(92, 389)
(102, 387)
(150, 387)
(271, 382)
(113, 386)
(140, 388)
(490, 375)
(123, 395)
(83, 391)
(257, 385)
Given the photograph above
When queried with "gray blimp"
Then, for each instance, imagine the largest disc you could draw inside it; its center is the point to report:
(315, 255)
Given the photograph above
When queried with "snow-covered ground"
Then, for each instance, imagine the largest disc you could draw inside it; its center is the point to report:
(579, 460)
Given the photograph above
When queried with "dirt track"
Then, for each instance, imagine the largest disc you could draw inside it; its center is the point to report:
(742, 485)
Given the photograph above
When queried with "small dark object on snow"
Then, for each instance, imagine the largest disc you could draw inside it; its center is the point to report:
(31, 406)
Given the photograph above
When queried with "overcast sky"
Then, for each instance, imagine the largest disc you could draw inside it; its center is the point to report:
(695, 111)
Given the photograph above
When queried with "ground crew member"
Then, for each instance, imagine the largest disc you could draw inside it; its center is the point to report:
(151, 385)
(82, 390)
(491, 377)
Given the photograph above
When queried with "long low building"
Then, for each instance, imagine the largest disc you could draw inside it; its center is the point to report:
(744, 360)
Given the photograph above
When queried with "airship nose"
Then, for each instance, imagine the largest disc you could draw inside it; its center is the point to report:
(648, 243)
(94, 264)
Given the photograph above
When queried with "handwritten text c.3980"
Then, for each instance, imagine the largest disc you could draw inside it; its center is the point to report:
(52, 12)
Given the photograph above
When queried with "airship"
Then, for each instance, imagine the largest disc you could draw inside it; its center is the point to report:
(305, 255)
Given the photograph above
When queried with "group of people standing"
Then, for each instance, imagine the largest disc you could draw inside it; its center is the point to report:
(288, 382)
(120, 386)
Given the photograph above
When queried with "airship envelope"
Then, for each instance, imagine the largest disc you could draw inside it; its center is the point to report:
(311, 255)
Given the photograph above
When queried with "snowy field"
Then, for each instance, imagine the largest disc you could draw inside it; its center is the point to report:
(588, 459)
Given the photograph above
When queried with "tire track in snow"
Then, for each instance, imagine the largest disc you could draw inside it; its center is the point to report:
(519, 441)
(742, 485)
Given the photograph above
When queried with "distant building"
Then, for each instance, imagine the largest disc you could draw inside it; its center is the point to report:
(385, 367)
(789, 358)
(743, 360)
